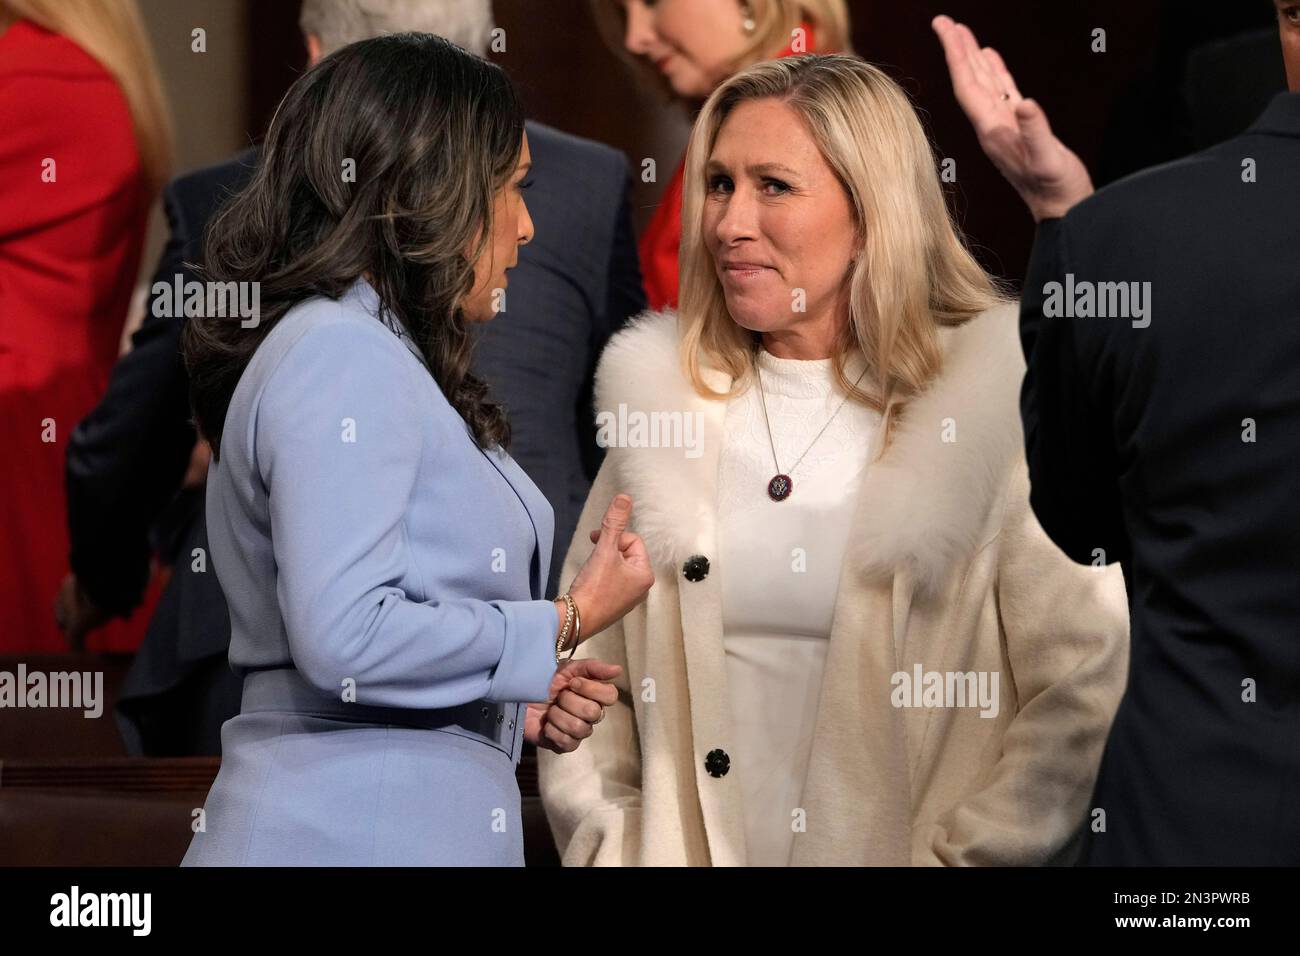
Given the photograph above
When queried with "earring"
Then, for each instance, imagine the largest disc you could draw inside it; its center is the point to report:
(748, 24)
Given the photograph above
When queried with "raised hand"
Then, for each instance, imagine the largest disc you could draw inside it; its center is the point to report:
(1013, 131)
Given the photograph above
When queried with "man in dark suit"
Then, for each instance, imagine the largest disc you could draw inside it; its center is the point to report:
(1161, 327)
(128, 496)
(576, 283)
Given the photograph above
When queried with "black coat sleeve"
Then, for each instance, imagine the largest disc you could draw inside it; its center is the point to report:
(127, 458)
(1069, 434)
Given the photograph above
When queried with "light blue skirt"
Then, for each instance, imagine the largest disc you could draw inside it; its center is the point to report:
(309, 781)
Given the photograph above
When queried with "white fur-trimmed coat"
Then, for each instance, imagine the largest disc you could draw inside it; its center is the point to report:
(946, 567)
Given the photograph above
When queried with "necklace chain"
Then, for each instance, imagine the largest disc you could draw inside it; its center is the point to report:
(767, 421)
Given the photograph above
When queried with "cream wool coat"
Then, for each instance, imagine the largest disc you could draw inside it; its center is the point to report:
(946, 567)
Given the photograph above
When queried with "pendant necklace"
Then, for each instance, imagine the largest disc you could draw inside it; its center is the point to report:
(781, 485)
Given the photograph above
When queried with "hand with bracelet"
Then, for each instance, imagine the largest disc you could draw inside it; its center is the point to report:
(616, 578)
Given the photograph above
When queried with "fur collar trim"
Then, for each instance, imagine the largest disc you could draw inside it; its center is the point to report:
(924, 505)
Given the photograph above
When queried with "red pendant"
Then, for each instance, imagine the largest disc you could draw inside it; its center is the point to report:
(779, 488)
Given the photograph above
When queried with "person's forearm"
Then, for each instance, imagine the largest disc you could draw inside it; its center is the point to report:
(1057, 206)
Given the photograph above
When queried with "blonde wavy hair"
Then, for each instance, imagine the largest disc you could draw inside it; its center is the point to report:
(774, 23)
(913, 274)
(113, 33)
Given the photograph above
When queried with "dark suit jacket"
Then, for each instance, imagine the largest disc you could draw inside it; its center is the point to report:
(1173, 448)
(1229, 83)
(125, 463)
(575, 284)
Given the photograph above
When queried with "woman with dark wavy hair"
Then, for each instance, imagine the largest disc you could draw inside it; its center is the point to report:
(383, 557)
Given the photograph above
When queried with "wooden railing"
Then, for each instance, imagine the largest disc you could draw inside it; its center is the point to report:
(149, 775)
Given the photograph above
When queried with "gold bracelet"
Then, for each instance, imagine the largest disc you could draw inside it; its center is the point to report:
(577, 625)
(570, 614)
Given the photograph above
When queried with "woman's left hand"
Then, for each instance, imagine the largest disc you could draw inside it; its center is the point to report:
(580, 692)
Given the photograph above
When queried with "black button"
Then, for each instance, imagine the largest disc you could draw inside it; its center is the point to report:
(717, 763)
(696, 568)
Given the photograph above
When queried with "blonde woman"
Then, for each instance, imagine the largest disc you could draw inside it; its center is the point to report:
(685, 48)
(86, 145)
(861, 648)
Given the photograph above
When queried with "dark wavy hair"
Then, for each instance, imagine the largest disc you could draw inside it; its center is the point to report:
(433, 132)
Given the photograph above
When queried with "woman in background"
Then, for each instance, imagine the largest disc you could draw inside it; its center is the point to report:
(861, 648)
(86, 146)
(685, 48)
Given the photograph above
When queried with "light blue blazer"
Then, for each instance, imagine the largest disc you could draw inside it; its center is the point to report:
(384, 576)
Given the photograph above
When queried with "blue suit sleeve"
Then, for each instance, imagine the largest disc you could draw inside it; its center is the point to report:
(339, 447)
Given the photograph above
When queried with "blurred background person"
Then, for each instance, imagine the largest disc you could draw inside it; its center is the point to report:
(686, 48)
(854, 511)
(129, 459)
(1164, 436)
(86, 145)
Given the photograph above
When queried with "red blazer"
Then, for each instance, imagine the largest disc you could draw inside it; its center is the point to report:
(73, 213)
(662, 239)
